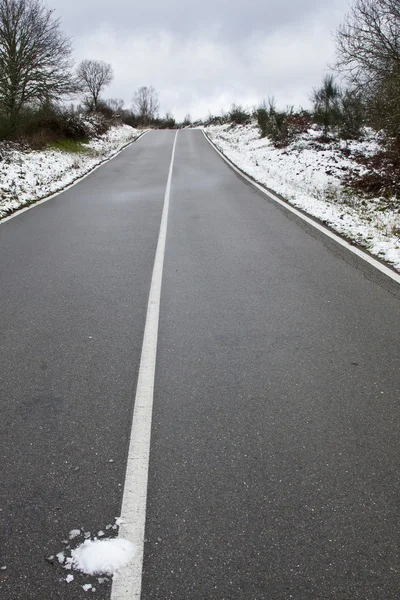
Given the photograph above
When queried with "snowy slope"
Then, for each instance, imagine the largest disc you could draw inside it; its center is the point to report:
(27, 176)
(310, 175)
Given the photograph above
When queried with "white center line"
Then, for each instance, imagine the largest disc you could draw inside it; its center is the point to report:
(128, 582)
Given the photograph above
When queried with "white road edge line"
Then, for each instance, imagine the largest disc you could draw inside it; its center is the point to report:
(19, 211)
(369, 259)
(128, 582)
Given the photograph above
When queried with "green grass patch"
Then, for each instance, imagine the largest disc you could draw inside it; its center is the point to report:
(71, 146)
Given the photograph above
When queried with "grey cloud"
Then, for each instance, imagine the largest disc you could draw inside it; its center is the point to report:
(206, 55)
(229, 19)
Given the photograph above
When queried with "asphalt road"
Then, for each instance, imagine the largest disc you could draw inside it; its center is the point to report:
(274, 457)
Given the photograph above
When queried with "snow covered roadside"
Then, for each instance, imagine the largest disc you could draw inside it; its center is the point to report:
(26, 177)
(309, 176)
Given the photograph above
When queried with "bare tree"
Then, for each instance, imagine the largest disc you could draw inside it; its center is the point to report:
(368, 48)
(368, 52)
(35, 57)
(146, 104)
(93, 76)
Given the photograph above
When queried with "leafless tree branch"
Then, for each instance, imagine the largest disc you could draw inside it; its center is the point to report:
(93, 76)
(368, 42)
(368, 53)
(35, 56)
(146, 104)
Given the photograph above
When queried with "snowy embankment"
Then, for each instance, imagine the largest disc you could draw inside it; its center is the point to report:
(309, 175)
(28, 175)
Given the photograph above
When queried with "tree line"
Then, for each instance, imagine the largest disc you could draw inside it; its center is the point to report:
(37, 72)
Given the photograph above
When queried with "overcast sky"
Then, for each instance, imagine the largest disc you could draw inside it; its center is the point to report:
(202, 56)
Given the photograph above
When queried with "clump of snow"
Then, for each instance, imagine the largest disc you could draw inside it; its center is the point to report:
(97, 556)
(102, 557)
(309, 175)
(27, 176)
(74, 533)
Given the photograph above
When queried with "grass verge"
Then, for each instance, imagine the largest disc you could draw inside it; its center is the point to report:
(67, 145)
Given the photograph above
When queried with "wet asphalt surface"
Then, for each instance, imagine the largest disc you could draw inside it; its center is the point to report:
(274, 459)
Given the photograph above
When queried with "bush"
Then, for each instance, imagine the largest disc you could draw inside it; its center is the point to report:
(48, 123)
(215, 120)
(167, 123)
(298, 123)
(326, 101)
(263, 123)
(129, 118)
(352, 115)
(6, 129)
(104, 109)
(238, 115)
(279, 126)
(381, 176)
(383, 108)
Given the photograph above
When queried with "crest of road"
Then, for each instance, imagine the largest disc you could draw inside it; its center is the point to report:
(166, 295)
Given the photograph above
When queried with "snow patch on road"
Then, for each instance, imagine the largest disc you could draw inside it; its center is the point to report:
(102, 557)
(310, 176)
(89, 555)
